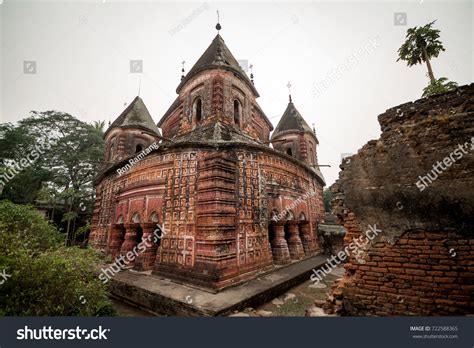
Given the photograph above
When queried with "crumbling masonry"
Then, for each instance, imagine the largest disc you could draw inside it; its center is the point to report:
(422, 263)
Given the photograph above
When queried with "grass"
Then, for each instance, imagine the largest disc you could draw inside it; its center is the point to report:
(294, 307)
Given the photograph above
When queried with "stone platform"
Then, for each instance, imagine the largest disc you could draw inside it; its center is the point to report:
(162, 296)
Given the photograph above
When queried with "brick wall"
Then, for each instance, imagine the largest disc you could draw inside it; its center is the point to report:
(422, 261)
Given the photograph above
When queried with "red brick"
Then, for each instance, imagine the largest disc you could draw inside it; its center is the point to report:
(396, 270)
(378, 269)
(444, 280)
(415, 272)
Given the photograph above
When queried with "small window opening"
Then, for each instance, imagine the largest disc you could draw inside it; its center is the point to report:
(198, 110)
(236, 112)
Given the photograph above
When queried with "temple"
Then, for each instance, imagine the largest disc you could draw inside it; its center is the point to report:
(233, 202)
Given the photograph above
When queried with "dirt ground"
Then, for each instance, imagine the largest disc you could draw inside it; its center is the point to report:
(296, 301)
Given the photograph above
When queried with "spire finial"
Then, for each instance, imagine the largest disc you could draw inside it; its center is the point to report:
(182, 69)
(218, 25)
(314, 130)
(289, 89)
(251, 73)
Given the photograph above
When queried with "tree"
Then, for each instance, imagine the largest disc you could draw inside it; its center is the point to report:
(99, 126)
(327, 197)
(44, 277)
(62, 176)
(20, 185)
(421, 45)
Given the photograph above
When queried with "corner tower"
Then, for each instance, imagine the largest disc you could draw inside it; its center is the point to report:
(130, 133)
(294, 137)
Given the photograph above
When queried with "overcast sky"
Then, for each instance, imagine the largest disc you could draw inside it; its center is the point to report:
(339, 56)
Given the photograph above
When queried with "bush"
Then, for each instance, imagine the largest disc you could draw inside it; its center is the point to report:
(441, 85)
(46, 278)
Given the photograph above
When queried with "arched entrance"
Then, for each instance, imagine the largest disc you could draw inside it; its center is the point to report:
(136, 221)
(150, 242)
(133, 237)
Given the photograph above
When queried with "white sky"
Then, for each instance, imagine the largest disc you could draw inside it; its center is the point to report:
(82, 51)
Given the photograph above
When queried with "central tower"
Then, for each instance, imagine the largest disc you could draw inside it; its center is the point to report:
(216, 92)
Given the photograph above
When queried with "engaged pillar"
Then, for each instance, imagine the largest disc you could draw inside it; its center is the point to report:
(130, 239)
(116, 239)
(280, 252)
(294, 242)
(146, 259)
(307, 238)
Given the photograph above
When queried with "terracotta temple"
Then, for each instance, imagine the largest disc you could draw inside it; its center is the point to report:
(233, 202)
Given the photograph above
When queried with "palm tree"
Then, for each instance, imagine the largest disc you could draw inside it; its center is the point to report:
(99, 126)
(421, 45)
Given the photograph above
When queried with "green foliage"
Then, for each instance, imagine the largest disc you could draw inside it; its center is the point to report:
(69, 216)
(294, 307)
(72, 150)
(82, 232)
(24, 228)
(99, 126)
(46, 278)
(61, 177)
(440, 85)
(421, 44)
(76, 147)
(15, 144)
(327, 197)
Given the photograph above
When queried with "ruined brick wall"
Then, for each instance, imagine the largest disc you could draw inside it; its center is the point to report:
(422, 260)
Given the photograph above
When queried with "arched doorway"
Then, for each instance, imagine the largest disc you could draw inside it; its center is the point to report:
(139, 231)
(133, 236)
(157, 232)
(301, 218)
(149, 234)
